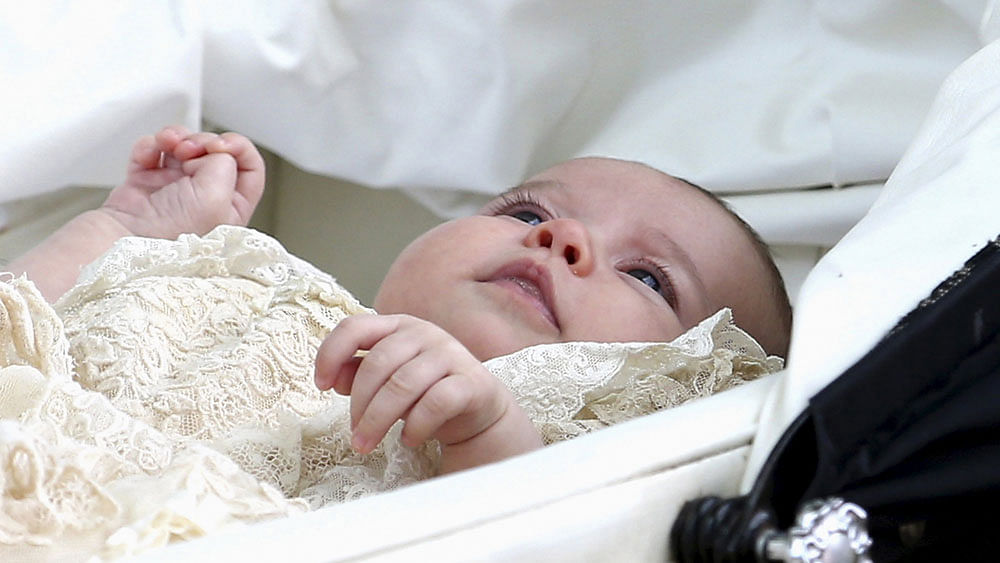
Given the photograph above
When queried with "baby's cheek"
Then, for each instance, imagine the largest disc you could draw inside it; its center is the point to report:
(633, 320)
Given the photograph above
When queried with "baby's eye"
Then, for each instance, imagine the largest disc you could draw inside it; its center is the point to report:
(657, 278)
(647, 278)
(529, 217)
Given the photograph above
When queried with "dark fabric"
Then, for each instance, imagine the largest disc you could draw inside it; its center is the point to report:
(911, 433)
(930, 388)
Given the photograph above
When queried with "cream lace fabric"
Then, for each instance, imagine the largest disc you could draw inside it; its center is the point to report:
(172, 396)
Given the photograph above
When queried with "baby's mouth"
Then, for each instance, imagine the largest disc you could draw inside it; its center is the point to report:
(531, 283)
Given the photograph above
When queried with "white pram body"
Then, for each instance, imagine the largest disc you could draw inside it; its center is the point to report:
(796, 112)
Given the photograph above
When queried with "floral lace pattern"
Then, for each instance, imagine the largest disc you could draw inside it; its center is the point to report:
(172, 395)
(573, 388)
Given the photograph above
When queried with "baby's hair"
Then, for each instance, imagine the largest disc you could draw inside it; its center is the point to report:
(779, 294)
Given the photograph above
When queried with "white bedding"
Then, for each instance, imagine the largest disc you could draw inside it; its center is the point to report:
(458, 95)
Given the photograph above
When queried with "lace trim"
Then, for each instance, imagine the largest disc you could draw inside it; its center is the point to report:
(570, 389)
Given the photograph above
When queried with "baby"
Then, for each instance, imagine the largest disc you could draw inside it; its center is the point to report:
(591, 249)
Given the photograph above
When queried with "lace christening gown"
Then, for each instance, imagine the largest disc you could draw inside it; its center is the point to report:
(172, 396)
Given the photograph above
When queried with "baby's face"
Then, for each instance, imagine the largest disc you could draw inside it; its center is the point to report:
(588, 250)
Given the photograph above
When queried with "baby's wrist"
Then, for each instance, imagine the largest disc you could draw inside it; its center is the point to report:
(109, 221)
(55, 263)
(104, 224)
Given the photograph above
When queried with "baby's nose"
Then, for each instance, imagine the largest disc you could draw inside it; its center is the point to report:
(568, 238)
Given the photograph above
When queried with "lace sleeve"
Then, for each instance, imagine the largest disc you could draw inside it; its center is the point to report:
(575, 388)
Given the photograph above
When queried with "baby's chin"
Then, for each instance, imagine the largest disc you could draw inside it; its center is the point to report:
(487, 329)
(487, 343)
(488, 348)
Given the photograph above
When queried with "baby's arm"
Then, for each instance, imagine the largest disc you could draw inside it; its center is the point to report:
(417, 372)
(177, 182)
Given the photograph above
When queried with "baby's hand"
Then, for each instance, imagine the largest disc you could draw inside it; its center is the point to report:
(180, 182)
(417, 372)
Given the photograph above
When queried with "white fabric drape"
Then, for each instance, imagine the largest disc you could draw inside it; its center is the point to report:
(937, 210)
(459, 95)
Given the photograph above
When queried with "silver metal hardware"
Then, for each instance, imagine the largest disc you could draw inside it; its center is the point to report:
(825, 531)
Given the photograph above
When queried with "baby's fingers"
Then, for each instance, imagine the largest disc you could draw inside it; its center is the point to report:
(169, 136)
(247, 156)
(250, 181)
(212, 171)
(146, 154)
(150, 151)
(336, 362)
(166, 140)
(405, 387)
(445, 401)
(193, 146)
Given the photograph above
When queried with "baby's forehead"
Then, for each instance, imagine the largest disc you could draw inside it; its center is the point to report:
(631, 184)
(625, 170)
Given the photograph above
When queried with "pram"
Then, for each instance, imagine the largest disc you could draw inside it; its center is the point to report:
(620, 500)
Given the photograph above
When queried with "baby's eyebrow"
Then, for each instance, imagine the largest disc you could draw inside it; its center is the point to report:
(531, 185)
